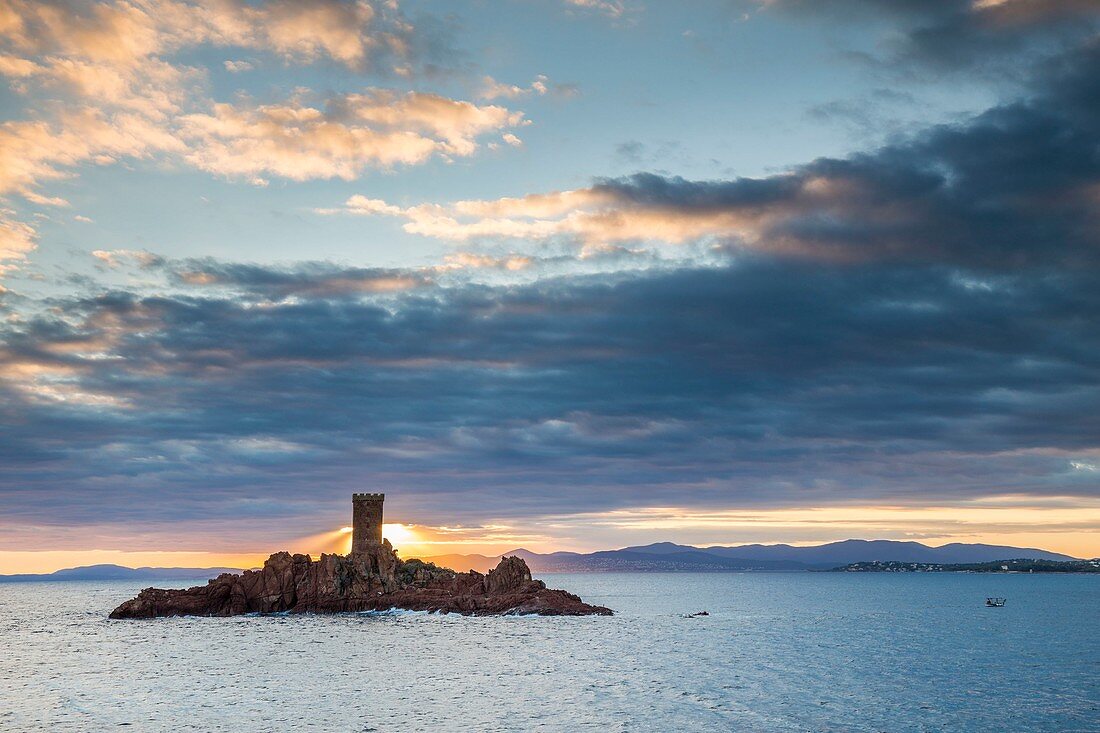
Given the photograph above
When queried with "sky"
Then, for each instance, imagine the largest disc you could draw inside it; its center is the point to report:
(558, 274)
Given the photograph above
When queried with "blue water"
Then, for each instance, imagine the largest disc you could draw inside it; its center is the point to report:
(779, 652)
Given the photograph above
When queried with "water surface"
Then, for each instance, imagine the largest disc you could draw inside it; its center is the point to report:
(779, 652)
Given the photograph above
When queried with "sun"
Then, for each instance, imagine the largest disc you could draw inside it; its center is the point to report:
(399, 534)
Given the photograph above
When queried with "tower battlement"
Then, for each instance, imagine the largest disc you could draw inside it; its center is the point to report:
(366, 521)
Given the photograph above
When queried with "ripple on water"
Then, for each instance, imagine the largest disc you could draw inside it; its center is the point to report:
(779, 652)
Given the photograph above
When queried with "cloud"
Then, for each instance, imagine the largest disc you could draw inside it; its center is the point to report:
(17, 240)
(536, 216)
(106, 81)
(349, 133)
(765, 383)
(471, 260)
(124, 34)
(366, 206)
(154, 89)
(990, 192)
(34, 151)
(987, 35)
(342, 31)
(120, 257)
(36, 198)
(124, 99)
(611, 8)
(315, 281)
(122, 54)
(493, 89)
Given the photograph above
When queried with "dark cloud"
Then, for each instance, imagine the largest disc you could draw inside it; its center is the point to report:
(1014, 187)
(760, 384)
(316, 280)
(961, 34)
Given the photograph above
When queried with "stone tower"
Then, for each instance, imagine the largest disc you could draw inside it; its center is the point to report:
(366, 521)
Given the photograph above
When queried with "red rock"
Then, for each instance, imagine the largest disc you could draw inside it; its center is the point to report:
(374, 580)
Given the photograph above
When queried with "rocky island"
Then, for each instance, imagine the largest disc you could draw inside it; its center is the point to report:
(371, 578)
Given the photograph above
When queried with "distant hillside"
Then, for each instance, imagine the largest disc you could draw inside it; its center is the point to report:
(118, 572)
(461, 563)
(849, 551)
(663, 557)
(670, 557)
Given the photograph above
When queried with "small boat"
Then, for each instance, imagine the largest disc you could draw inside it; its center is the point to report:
(995, 602)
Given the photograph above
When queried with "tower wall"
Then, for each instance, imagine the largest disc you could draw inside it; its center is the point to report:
(366, 521)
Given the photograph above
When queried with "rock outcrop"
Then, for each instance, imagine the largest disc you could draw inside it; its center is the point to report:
(375, 580)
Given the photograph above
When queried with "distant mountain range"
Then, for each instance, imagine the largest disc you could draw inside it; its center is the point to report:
(658, 557)
(118, 572)
(670, 557)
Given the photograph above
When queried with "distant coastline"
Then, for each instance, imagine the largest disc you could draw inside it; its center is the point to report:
(668, 557)
(118, 572)
(999, 566)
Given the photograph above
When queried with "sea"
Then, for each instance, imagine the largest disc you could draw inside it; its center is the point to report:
(779, 652)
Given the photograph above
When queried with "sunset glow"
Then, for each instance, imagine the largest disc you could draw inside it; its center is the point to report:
(403, 537)
(1060, 524)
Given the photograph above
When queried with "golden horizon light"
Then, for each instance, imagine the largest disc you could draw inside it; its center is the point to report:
(1068, 525)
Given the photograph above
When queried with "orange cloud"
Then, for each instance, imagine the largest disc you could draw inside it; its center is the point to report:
(32, 152)
(127, 33)
(493, 89)
(379, 128)
(592, 216)
(471, 260)
(17, 239)
(110, 88)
